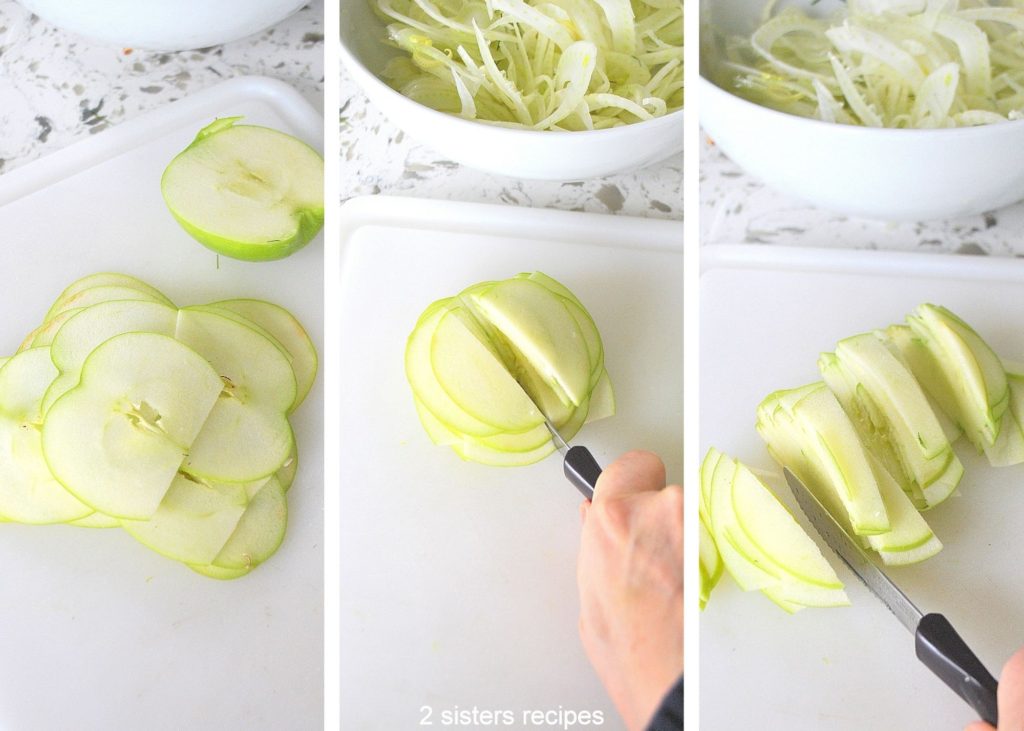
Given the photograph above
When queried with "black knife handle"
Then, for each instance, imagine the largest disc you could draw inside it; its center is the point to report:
(582, 470)
(946, 654)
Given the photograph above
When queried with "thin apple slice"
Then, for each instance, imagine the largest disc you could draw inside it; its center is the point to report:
(259, 532)
(289, 332)
(247, 435)
(892, 416)
(96, 520)
(470, 449)
(45, 333)
(247, 192)
(542, 331)
(961, 371)
(710, 563)
(29, 493)
(105, 279)
(192, 523)
(116, 440)
(96, 295)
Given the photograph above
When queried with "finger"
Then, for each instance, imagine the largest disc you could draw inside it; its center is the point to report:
(632, 473)
(584, 509)
(1011, 693)
(978, 726)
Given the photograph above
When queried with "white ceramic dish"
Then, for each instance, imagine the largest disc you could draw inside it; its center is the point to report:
(543, 155)
(767, 312)
(99, 632)
(900, 175)
(161, 25)
(470, 597)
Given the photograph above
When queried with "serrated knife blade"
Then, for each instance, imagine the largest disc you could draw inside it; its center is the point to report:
(937, 643)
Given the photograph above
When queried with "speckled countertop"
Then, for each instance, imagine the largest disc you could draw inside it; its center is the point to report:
(377, 157)
(56, 88)
(736, 209)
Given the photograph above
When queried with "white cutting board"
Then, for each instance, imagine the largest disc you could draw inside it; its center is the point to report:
(458, 583)
(766, 314)
(96, 631)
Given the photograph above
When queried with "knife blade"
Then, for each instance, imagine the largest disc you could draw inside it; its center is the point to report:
(937, 643)
(578, 464)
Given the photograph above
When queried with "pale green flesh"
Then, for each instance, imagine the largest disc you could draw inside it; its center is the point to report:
(246, 184)
(192, 524)
(710, 563)
(116, 440)
(774, 531)
(105, 279)
(289, 333)
(45, 333)
(892, 416)
(28, 491)
(960, 371)
(424, 383)
(828, 434)
(476, 380)
(259, 532)
(543, 330)
(96, 295)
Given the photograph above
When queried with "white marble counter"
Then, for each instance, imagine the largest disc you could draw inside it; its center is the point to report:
(377, 157)
(735, 208)
(56, 88)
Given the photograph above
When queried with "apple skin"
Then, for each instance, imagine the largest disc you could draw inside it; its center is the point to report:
(308, 220)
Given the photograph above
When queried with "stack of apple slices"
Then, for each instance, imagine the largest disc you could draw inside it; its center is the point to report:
(123, 410)
(758, 541)
(489, 364)
(874, 441)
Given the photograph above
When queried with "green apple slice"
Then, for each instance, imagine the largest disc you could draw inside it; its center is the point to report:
(289, 332)
(109, 293)
(96, 520)
(116, 440)
(475, 379)
(902, 342)
(247, 435)
(964, 374)
(892, 416)
(260, 530)
(421, 377)
(28, 491)
(710, 563)
(542, 331)
(105, 279)
(742, 559)
(911, 539)
(192, 523)
(474, 450)
(247, 192)
(45, 333)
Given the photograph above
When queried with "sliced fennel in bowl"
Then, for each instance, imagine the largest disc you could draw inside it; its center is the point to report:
(562, 64)
(917, 64)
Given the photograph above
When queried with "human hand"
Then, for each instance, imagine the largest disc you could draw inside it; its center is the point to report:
(630, 577)
(1010, 697)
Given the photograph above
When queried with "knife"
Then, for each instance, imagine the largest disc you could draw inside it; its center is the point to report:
(579, 465)
(938, 645)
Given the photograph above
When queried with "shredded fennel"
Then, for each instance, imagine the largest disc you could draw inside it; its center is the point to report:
(539, 64)
(885, 63)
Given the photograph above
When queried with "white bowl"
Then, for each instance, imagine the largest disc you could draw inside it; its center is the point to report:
(544, 155)
(890, 174)
(163, 25)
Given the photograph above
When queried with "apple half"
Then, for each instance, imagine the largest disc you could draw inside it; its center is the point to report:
(247, 192)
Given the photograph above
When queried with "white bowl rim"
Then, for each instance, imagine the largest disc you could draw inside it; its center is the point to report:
(1012, 126)
(350, 60)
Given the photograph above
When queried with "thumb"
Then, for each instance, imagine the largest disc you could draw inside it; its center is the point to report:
(1011, 693)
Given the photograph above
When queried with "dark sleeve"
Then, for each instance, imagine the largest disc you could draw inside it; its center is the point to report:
(670, 714)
